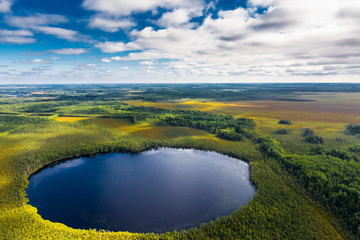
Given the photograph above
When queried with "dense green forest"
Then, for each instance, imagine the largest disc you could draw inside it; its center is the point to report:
(307, 178)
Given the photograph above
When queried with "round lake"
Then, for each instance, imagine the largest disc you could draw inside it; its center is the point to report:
(154, 191)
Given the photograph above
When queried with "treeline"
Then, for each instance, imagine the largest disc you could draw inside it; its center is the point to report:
(331, 177)
(224, 126)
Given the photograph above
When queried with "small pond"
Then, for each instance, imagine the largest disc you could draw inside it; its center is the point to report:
(154, 191)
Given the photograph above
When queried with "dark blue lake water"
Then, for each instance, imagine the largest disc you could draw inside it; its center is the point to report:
(154, 191)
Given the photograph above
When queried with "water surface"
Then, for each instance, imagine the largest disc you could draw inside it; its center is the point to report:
(154, 191)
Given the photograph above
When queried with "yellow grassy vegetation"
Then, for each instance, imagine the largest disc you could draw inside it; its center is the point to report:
(70, 119)
(121, 124)
(193, 105)
(325, 117)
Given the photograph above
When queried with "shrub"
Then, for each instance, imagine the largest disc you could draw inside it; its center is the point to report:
(317, 151)
(340, 154)
(286, 122)
(282, 131)
(338, 139)
(308, 132)
(270, 147)
(352, 129)
(355, 148)
(229, 134)
(314, 140)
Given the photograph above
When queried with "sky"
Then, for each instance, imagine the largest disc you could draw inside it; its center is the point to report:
(179, 41)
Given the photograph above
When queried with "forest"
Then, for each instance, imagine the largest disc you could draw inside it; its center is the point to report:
(303, 150)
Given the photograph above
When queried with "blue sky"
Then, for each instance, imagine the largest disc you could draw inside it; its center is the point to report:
(171, 41)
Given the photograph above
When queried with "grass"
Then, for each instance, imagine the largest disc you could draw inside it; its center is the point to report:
(70, 119)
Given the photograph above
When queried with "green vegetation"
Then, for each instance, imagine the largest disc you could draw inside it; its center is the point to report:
(353, 129)
(331, 181)
(355, 149)
(308, 132)
(225, 126)
(229, 134)
(285, 122)
(314, 140)
(308, 186)
(282, 131)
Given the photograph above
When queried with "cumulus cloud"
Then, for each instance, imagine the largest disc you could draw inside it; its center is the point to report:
(5, 6)
(266, 38)
(116, 58)
(179, 17)
(113, 47)
(105, 60)
(69, 51)
(282, 41)
(109, 60)
(127, 7)
(149, 63)
(108, 24)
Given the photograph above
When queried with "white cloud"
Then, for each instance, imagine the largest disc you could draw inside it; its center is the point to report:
(16, 36)
(116, 58)
(105, 60)
(41, 23)
(16, 39)
(35, 20)
(40, 61)
(59, 32)
(91, 65)
(5, 6)
(283, 41)
(127, 7)
(149, 63)
(70, 51)
(113, 47)
(291, 38)
(179, 17)
(109, 60)
(262, 3)
(23, 33)
(110, 25)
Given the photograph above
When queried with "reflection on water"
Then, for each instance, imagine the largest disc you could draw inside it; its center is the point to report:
(154, 191)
